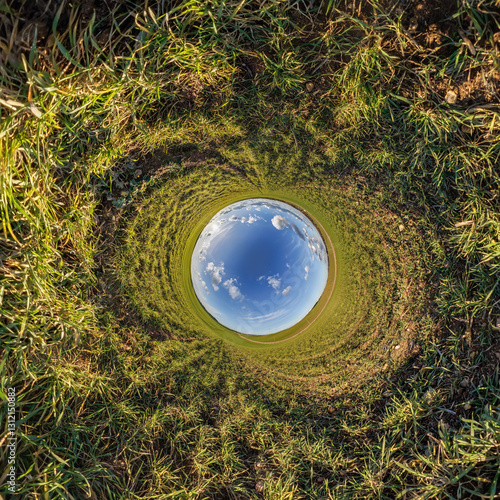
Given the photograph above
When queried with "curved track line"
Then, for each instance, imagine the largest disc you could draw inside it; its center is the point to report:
(327, 302)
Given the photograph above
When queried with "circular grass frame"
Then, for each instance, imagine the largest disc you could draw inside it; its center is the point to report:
(376, 304)
(284, 335)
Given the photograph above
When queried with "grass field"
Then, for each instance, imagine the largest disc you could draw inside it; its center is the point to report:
(125, 126)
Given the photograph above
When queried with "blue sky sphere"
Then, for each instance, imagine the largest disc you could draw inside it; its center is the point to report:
(259, 266)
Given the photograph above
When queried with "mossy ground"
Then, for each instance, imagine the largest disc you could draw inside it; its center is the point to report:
(120, 121)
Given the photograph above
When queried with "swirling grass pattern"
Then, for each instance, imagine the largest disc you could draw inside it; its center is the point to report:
(367, 321)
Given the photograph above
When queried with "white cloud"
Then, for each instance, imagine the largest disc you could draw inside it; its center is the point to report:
(307, 272)
(286, 291)
(216, 273)
(204, 250)
(234, 291)
(205, 287)
(312, 248)
(250, 220)
(280, 222)
(274, 281)
(213, 230)
(296, 230)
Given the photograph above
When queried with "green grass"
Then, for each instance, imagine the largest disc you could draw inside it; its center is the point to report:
(122, 390)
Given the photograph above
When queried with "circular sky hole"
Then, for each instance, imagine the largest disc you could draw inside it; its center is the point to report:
(259, 266)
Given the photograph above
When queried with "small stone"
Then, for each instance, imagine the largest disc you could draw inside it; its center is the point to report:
(397, 347)
(467, 130)
(259, 487)
(401, 228)
(320, 479)
(498, 322)
(497, 354)
(451, 97)
(386, 367)
(309, 86)
(467, 406)
(465, 382)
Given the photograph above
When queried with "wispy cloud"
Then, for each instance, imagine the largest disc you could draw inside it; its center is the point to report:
(307, 272)
(286, 291)
(267, 317)
(315, 244)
